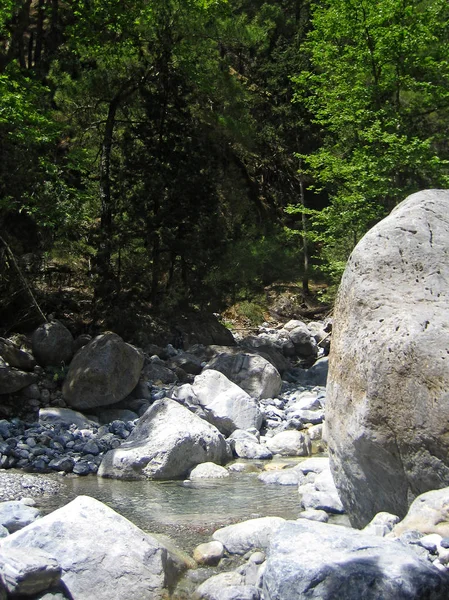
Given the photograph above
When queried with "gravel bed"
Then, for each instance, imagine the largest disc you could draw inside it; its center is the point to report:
(14, 486)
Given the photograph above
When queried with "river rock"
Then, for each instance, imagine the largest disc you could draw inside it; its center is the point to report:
(156, 371)
(225, 404)
(52, 344)
(102, 555)
(102, 373)
(282, 477)
(28, 571)
(209, 470)
(12, 380)
(302, 338)
(226, 586)
(15, 357)
(167, 442)
(322, 494)
(209, 553)
(387, 401)
(289, 443)
(382, 524)
(252, 373)
(267, 349)
(15, 515)
(308, 559)
(63, 415)
(249, 535)
(186, 361)
(428, 513)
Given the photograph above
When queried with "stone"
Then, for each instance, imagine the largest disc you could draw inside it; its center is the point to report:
(28, 571)
(316, 464)
(202, 328)
(268, 350)
(225, 404)
(15, 515)
(314, 514)
(308, 559)
(102, 555)
(428, 513)
(282, 477)
(52, 344)
(387, 401)
(382, 524)
(186, 361)
(251, 372)
(102, 373)
(209, 553)
(167, 442)
(251, 450)
(15, 357)
(158, 372)
(249, 535)
(302, 338)
(289, 443)
(54, 415)
(12, 380)
(223, 587)
(208, 470)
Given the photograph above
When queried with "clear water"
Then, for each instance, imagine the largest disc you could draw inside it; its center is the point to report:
(189, 512)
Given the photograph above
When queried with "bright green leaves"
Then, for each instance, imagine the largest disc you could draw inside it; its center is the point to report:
(379, 91)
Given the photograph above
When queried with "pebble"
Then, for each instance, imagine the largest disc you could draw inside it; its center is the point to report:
(60, 446)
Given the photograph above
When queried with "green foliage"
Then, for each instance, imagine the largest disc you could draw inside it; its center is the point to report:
(379, 91)
(253, 262)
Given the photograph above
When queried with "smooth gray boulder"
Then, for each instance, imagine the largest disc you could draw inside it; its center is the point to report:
(168, 442)
(289, 443)
(428, 513)
(302, 338)
(102, 555)
(209, 553)
(253, 534)
(226, 586)
(251, 372)
(321, 494)
(15, 515)
(15, 357)
(102, 373)
(28, 571)
(12, 380)
(208, 470)
(308, 559)
(63, 415)
(52, 344)
(224, 403)
(387, 404)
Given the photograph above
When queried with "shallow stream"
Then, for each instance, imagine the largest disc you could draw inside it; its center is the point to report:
(189, 512)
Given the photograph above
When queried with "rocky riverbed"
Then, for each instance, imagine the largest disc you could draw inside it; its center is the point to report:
(112, 412)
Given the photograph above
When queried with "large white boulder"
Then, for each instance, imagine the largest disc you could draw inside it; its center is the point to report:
(253, 373)
(167, 442)
(102, 555)
(224, 403)
(428, 513)
(249, 535)
(103, 372)
(387, 408)
(308, 559)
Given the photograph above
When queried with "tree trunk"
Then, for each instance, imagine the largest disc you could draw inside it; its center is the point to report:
(104, 285)
(305, 245)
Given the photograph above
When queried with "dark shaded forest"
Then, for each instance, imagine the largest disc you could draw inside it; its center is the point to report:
(163, 155)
